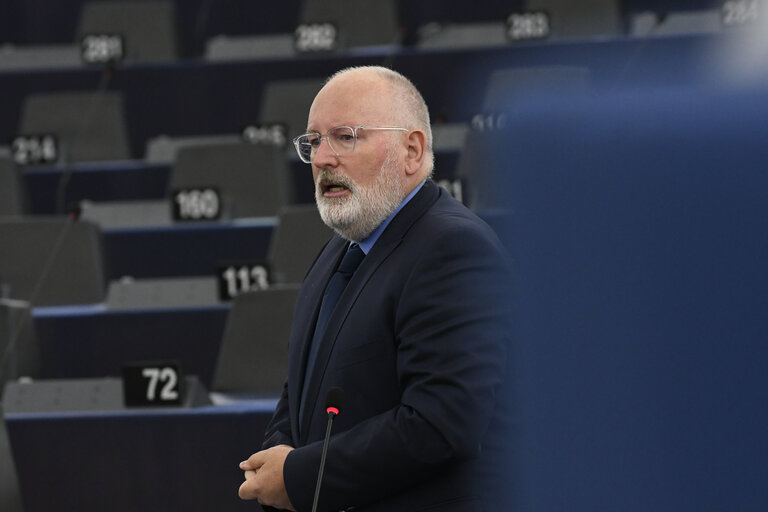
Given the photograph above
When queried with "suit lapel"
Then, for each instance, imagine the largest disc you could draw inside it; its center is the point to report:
(305, 317)
(389, 240)
(363, 273)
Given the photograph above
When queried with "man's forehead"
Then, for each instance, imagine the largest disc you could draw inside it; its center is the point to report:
(347, 101)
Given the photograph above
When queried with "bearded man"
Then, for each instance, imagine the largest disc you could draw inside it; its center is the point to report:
(418, 336)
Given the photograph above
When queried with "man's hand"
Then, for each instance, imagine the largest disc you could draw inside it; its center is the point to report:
(264, 477)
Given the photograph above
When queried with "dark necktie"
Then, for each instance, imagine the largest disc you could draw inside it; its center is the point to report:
(333, 291)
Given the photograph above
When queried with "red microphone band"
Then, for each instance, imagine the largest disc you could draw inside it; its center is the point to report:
(333, 410)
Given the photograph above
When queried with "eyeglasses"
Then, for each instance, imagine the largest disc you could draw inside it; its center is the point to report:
(341, 139)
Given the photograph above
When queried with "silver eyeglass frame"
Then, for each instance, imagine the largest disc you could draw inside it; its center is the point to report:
(354, 135)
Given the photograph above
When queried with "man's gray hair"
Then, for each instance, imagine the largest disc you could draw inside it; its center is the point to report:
(411, 109)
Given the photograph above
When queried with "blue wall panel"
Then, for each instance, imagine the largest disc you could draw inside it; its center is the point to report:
(639, 228)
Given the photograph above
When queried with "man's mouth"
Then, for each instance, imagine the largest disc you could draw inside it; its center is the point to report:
(332, 188)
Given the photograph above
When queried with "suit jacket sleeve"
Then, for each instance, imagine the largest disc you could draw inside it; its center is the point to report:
(450, 330)
(279, 428)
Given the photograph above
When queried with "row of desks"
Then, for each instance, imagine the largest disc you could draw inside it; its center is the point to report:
(135, 459)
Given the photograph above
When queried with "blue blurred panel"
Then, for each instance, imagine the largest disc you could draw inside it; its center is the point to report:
(183, 459)
(94, 342)
(639, 229)
(185, 249)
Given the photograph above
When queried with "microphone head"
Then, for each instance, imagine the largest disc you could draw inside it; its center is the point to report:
(333, 400)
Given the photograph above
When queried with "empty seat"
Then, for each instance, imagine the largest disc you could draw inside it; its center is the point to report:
(358, 23)
(580, 20)
(249, 47)
(148, 28)
(177, 292)
(296, 241)
(125, 214)
(10, 495)
(51, 262)
(251, 179)
(253, 358)
(507, 90)
(19, 357)
(448, 136)
(510, 87)
(463, 35)
(19, 351)
(13, 196)
(439, 24)
(17, 58)
(651, 24)
(89, 126)
(288, 102)
(163, 149)
(76, 395)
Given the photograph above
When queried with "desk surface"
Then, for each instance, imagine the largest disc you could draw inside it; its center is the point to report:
(164, 459)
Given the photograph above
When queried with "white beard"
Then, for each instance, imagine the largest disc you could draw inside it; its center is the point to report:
(355, 216)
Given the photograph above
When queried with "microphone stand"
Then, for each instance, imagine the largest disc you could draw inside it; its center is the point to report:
(332, 412)
(333, 400)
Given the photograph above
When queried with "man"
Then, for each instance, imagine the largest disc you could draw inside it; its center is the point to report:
(418, 337)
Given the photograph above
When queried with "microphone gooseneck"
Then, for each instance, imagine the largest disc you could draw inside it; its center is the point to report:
(333, 401)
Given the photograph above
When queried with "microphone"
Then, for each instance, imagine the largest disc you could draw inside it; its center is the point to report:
(333, 400)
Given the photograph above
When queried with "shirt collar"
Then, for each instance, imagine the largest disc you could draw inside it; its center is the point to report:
(367, 244)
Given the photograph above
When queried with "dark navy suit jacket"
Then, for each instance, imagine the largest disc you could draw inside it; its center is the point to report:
(419, 344)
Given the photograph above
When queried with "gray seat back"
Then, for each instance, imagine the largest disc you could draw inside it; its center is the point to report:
(251, 179)
(90, 126)
(148, 28)
(51, 262)
(288, 102)
(10, 495)
(507, 90)
(13, 198)
(253, 357)
(582, 19)
(296, 241)
(19, 351)
(358, 23)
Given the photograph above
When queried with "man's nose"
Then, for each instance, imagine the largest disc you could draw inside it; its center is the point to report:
(324, 156)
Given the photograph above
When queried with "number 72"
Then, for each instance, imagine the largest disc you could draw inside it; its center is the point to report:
(168, 377)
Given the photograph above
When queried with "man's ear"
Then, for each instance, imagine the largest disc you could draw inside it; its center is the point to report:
(417, 149)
